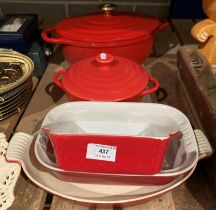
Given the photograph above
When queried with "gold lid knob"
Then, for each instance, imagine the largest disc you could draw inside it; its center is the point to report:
(107, 8)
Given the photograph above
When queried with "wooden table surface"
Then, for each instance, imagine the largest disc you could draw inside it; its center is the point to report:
(194, 194)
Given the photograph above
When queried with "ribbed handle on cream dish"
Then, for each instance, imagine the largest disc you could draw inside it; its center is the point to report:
(18, 146)
(205, 149)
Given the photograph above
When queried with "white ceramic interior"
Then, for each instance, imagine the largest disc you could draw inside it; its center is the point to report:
(21, 150)
(118, 118)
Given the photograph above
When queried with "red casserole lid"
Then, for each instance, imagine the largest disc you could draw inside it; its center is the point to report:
(105, 78)
(107, 27)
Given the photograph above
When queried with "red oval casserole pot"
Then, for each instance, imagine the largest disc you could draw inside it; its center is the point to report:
(124, 34)
(105, 78)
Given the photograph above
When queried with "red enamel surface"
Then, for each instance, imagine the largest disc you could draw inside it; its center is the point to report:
(107, 28)
(144, 157)
(111, 79)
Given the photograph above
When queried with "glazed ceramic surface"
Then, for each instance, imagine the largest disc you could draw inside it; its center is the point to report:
(105, 78)
(124, 34)
(27, 64)
(16, 100)
(21, 150)
(14, 92)
(183, 153)
(15, 107)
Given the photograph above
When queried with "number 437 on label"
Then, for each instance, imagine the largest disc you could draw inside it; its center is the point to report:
(101, 152)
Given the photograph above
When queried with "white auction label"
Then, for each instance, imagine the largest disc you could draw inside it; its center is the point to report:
(101, 152)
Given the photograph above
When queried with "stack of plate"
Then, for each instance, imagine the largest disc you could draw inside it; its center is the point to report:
(15, 82)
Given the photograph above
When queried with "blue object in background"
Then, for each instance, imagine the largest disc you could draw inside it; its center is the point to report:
(18, 31)
(38, 56)
(187, 9)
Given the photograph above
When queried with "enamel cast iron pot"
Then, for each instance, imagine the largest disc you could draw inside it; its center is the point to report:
(105, 78)
(123, 34)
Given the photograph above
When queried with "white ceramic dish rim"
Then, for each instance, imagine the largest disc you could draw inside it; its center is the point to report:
(70, 107)
(19, 149)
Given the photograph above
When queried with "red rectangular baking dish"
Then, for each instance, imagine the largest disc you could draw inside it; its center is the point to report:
(109, 153)
(146, 150)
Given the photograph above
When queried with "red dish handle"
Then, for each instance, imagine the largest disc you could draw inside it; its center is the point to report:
(56, 79)
(152, 89)
(57, 40)
(163, 25)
